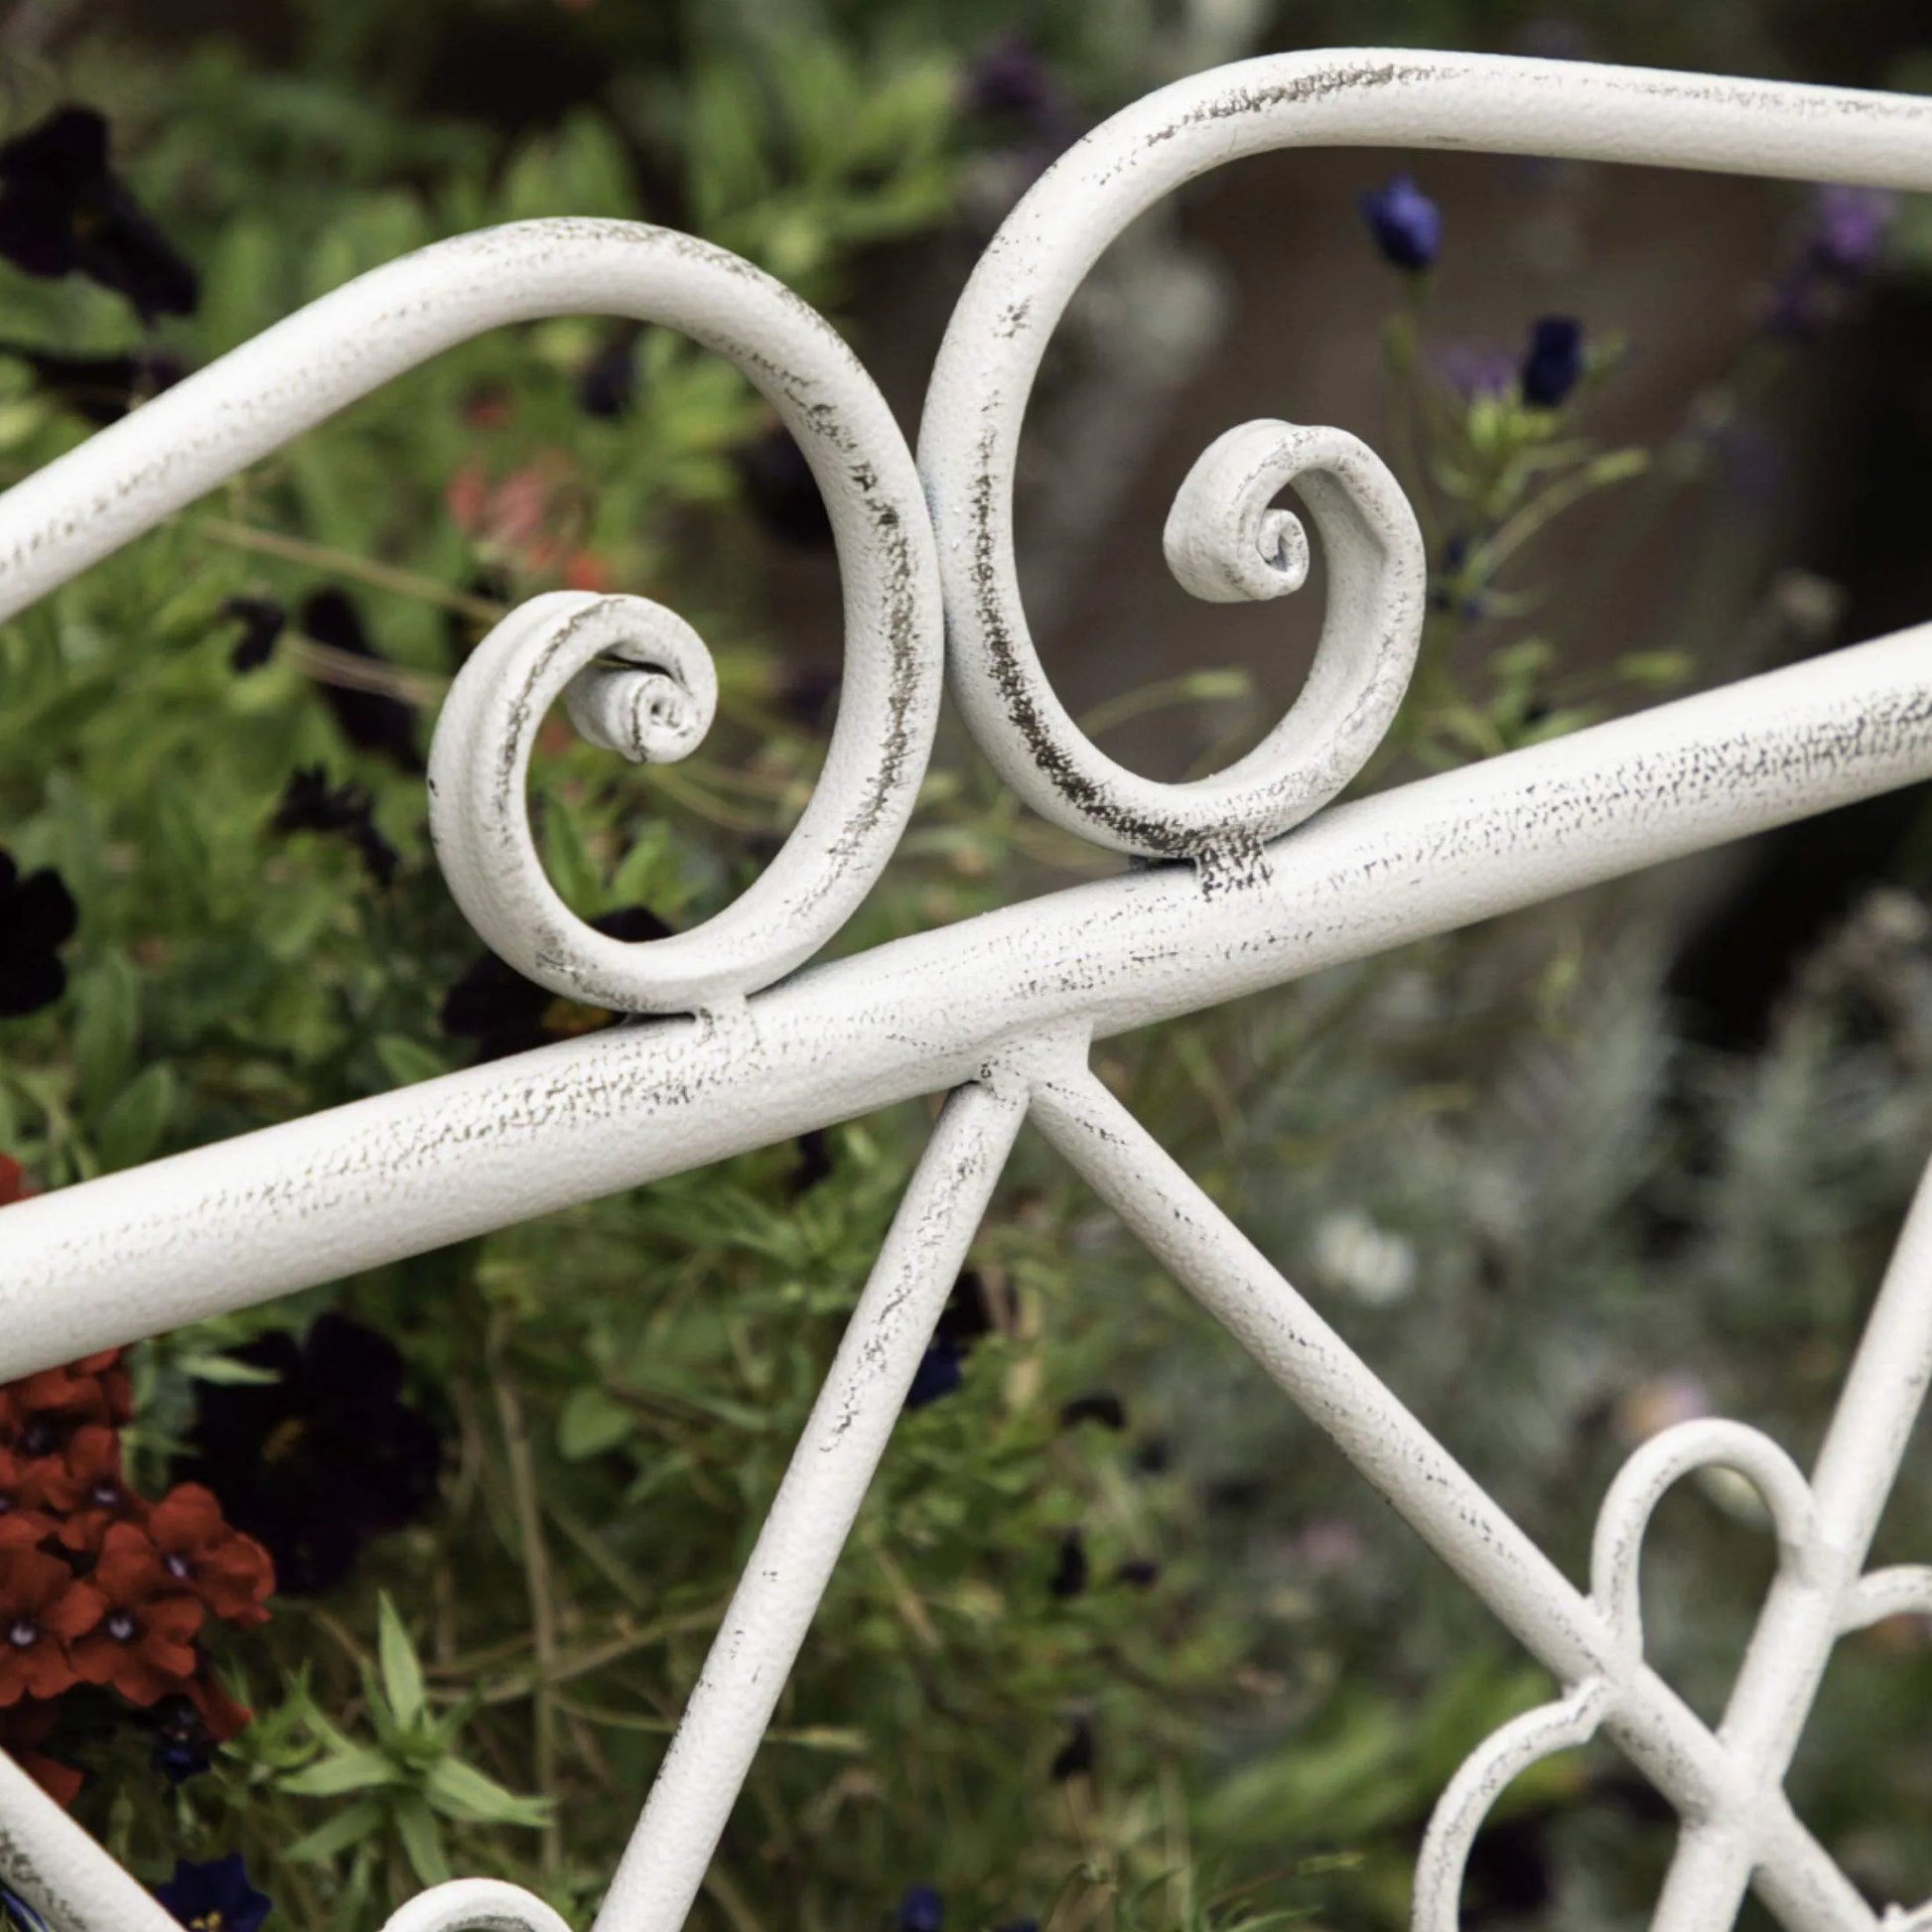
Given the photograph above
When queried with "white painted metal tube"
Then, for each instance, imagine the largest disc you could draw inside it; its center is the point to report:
(1574, 1637)
(230, 1225)
(831, 1471)
(1805, 1613)
(52, 1863)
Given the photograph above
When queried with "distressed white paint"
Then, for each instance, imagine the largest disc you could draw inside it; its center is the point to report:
(1002, 1007)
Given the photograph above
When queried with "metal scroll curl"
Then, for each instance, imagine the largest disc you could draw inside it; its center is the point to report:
(1224, 541)
(647, 686)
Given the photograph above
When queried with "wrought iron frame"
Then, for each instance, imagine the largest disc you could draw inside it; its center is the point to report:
(999, 1011)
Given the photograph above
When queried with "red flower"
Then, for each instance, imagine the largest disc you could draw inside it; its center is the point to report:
(142, 1642)
(532, 519)
(23, 1528)
(95, 1389)
(232, 1574)
(102, 1497)
(12, 1181)
(22, 1730)
(223, 1717)
(42, 1609)
(35, 1485)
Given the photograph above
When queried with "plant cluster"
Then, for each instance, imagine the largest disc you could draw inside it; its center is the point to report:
(108, 1598)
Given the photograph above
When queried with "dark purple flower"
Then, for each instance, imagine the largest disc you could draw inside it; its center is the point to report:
(262, 623)
(782, 492)
(1406, 223)
(372, 721)
(940, 1373)
(1011, 83)
(37, 917)
(310, 804)
(63, 212)
(16, 1915)
(1848, 226)
(1554, 364)
(922, 1910)
(1138, 1573)
(493, 1004)
(1102, 1406)
(1074, 1758)
(1470, 605)
(322, 1459)
(815, 1163)
(215, 1897)
(967, 1317)
(1069, 1575)
(968, 1314)
(1843, 239)
(1010, 78)
(607, 385)
(99, 390)
(181, 1740)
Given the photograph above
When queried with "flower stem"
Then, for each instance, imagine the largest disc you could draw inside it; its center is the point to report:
(527, 1500)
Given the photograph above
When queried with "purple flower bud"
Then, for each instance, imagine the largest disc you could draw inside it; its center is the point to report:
(1477, 368)
(1848, 226)
(1406, 223)
(922, 1910)
(940, 1373)
(1554, 362)
(1010, 78)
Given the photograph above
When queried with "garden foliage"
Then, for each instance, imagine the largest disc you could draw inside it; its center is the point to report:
(1087, 1659)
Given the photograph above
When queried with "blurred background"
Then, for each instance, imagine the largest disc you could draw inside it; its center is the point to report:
(1120, 1642)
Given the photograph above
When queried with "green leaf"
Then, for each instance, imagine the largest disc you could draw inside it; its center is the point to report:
(460, 1791)
(1660, 669)
(359, 1768)
(131, 1128)
(422, 1841)
(107, 1021)
(577, 876)
(592, 1422)
(346, 1828)
(408, 1060)
(225, 1371)
(402, 1674)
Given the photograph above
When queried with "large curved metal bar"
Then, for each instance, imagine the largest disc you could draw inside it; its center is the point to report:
(226, 1226)
(1490, 1769)
(969, 439)
(124, 480)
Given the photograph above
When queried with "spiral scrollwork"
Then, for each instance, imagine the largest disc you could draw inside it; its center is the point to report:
(1226, 541)
(636, 679)
(641, 682)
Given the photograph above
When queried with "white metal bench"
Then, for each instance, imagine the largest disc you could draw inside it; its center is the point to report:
(1250, 889)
